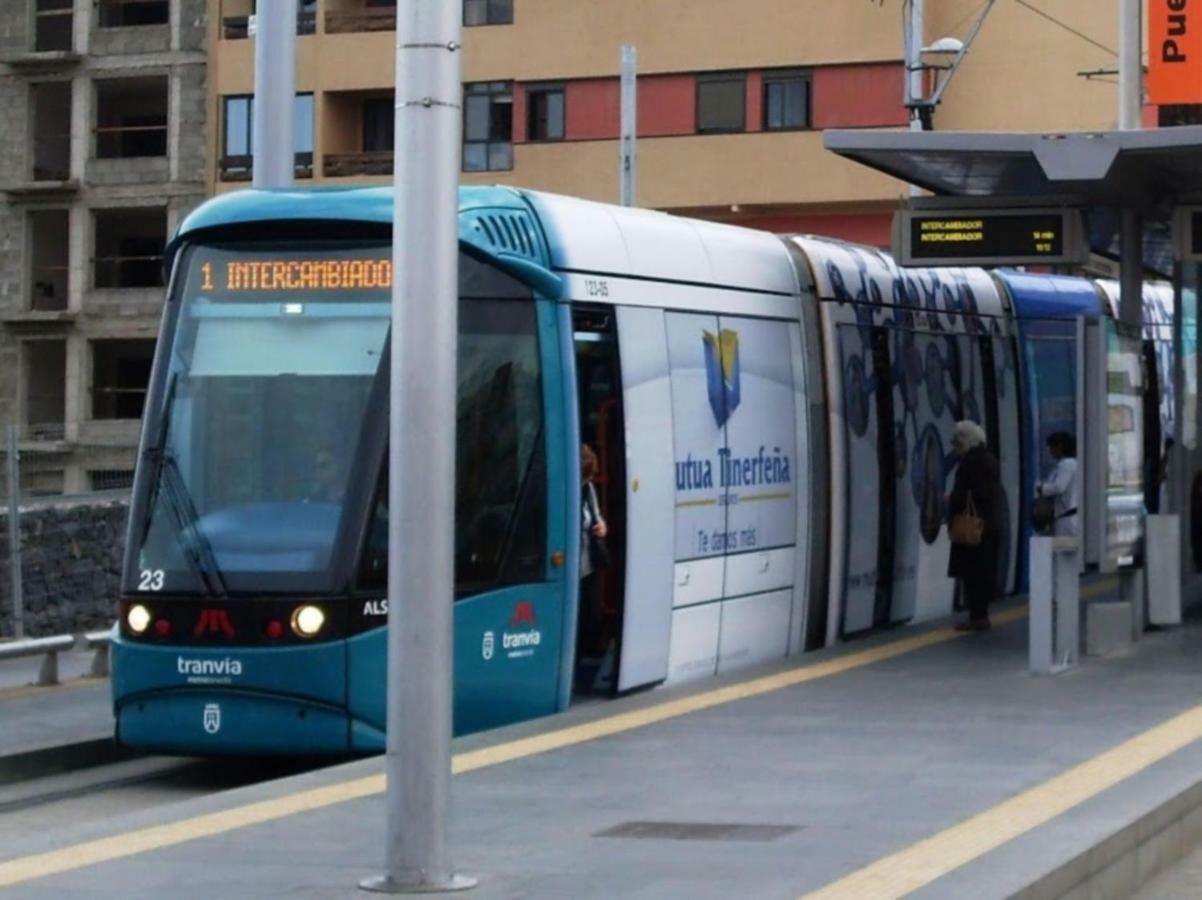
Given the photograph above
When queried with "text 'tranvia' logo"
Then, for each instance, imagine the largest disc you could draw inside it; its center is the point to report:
(722, 372)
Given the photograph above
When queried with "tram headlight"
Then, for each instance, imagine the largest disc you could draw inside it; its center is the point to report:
(138, 618)
(307, 621)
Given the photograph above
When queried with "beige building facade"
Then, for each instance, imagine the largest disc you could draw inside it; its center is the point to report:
(733, 97)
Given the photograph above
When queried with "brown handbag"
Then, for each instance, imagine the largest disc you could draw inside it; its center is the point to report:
(967, 528)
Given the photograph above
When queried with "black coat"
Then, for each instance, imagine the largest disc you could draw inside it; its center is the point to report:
(977, 474)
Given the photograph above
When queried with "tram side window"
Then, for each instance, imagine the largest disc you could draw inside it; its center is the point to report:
(500, 465)
(500, 480)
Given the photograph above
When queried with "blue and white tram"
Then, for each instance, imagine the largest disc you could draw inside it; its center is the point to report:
(771, 418)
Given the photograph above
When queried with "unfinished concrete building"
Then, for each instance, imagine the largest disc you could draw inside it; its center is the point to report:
(101, 154)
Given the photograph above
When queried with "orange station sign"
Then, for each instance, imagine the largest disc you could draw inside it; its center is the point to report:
(1174, 51)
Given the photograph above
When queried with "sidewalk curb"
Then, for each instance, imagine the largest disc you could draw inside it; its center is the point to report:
(1120, 864)
(46, 761)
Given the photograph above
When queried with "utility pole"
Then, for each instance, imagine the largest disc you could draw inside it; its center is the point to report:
(14, 533)
(275, 92)
(628, 161)
(1131, 79)
(920, 116)
(421, 520)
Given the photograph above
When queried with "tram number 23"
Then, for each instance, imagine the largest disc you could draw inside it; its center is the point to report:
(151, 580)
(596, 287)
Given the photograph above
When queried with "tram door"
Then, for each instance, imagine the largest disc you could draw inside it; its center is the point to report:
(602, 428)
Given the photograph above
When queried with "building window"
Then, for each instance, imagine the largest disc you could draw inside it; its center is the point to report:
(51, 136)
(111, 479)
(131, 117)
(379, 124)
(44, 365)
(786, 101)
(129, 247)
(127, 13)
(120, 374)
(487, 12)
(721, 102)
(545, 113)
(488, 126)
(54, 25)
(237, 142)
(49, 261)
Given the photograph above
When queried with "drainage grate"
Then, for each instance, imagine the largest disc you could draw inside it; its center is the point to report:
(698, 831)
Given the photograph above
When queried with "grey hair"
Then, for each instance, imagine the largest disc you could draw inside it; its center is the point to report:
(967, 434)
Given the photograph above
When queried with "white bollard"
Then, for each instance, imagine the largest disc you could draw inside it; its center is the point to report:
(1054, 616)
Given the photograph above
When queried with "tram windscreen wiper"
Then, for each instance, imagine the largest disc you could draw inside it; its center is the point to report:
(166, 476)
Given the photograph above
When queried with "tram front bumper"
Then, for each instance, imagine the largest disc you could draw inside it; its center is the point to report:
(231, 700)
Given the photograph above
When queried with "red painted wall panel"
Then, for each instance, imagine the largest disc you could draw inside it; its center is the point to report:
(861, 96)
(592, 109)
(519, 113)
(755, 101)
(667, 105)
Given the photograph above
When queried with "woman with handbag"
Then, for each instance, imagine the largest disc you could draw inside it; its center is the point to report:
(974, 516)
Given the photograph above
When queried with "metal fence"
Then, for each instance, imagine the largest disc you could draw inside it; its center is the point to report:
(60, 539)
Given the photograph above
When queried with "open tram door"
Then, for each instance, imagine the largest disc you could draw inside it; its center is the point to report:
(602, 593)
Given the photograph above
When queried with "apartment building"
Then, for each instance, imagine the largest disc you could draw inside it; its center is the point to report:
(733, 97)
(103, 151)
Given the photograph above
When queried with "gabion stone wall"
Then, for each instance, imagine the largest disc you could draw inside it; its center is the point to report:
(71, 567)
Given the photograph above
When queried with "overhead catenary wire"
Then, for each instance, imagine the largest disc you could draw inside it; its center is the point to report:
(1065, 26)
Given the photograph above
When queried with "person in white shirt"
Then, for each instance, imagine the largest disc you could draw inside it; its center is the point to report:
(1061, 484)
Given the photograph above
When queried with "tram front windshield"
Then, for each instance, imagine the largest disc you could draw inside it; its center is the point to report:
(263, 404)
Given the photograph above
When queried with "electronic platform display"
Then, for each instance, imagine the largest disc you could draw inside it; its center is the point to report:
(988, 237)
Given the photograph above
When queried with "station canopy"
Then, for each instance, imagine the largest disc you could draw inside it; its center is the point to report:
(1151, 171)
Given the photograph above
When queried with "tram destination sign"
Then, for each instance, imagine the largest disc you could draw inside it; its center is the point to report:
(226, 274)
(989, 237)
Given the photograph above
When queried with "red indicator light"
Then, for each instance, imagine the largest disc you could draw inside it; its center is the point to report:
(275, 630)
(162, 628)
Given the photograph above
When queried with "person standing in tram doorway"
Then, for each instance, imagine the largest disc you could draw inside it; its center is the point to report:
(594, 556)
(1061, 483)
(974, 514)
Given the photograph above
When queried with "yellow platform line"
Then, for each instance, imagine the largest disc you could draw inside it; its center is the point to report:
(921, 863)
(109, 849)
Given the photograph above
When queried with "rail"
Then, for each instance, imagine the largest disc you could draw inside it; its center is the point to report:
(95, 642)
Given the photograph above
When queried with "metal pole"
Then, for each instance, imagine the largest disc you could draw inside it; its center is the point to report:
(1131, 67)
(14, 533)
(915, 39)
(425, 255)
(628, 163)
(275, 93)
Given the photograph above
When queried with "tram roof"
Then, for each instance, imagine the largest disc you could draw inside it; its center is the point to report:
(580, 235)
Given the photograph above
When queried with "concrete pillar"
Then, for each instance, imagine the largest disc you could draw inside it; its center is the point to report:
(75, 387)
(79, 255)
(175, 124)
(82, 101)
(82, 26)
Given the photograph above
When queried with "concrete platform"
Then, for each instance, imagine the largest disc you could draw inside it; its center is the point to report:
(34, 718)
(922, 762)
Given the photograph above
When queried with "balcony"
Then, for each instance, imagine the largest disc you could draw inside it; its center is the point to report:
(351, 165)
(237, 28)
(241, 167)
(354, 21)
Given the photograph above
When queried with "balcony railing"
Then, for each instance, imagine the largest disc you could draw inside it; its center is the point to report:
(128, 141)
(241, 167)
(346, 21)
(236, 28)
(347, 165)
(129, 271)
